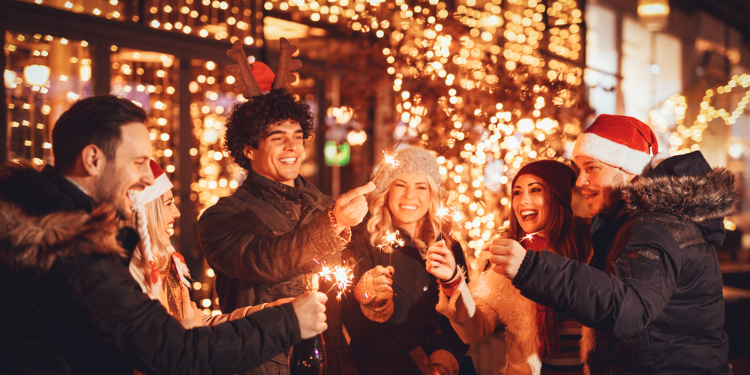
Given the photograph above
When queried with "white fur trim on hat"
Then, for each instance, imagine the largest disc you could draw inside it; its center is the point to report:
(611, 153)
(161, 185)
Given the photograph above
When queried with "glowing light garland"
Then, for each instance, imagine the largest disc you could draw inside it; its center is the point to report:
(670, 115)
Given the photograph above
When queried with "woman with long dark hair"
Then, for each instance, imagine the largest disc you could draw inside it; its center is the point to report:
(539, 340)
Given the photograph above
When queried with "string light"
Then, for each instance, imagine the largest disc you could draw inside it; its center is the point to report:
(670, 115)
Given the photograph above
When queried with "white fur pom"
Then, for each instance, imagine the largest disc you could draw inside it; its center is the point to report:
(535, 363)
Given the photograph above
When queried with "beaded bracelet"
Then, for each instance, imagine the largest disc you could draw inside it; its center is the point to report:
(346, 235)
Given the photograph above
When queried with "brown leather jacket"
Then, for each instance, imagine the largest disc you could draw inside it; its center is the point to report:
(262, 240)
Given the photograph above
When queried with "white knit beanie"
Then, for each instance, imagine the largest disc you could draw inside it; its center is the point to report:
(408, 160)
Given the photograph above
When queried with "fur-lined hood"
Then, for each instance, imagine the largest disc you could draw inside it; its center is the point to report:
(684, 186)
(44, 217)
(36, 242)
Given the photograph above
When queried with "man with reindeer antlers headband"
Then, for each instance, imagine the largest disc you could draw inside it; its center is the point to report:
(277, 226)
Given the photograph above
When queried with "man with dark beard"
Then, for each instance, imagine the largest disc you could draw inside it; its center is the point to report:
(653, 290)
(70, 305)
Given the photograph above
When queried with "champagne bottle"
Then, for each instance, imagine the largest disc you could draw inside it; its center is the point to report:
(308, 357)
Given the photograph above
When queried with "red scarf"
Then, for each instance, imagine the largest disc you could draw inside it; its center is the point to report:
(546, 319)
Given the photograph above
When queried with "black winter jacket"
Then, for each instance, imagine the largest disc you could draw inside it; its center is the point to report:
(653, 291)
(383, 348)
(70, 306)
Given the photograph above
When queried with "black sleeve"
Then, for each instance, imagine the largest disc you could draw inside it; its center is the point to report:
(623, 301)
(103, 299)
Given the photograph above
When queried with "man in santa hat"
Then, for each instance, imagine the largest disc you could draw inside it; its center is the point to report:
(653, 290)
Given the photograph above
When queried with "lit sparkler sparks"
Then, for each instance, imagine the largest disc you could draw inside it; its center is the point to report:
(391, 239)
(529, 237)
(341, 277)
(388, 159)
(449, 213)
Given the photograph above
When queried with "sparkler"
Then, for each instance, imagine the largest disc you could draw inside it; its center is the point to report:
(529, 237)
(449, 213)
(391, 239)
(388, 159)
(341, 277)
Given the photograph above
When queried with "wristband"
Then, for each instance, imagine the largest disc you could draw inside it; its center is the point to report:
(455, 272)
(452, 284)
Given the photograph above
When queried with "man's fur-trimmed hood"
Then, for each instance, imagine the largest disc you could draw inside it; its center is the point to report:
(37, 241)
(44, 217)
(695, 198)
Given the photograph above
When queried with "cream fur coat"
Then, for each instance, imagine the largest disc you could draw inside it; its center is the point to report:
(475, 310)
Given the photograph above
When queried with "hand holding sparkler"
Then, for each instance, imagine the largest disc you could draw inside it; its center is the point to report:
(375, 285)
(351, 207)
(506, 257)
(440, 261)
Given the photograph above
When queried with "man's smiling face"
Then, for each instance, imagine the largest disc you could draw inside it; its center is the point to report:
(279, 154)
(600, 184)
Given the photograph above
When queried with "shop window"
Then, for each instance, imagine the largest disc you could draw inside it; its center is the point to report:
(601, 59)
(43, 76)
(651, 69)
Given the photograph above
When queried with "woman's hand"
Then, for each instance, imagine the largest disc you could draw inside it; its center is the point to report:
(440, 261)
(191, 315)
(375, 285)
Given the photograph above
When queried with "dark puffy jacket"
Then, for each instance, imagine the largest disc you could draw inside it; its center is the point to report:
(657, 307)
(383, 348)
(263, 239)
(70, 306)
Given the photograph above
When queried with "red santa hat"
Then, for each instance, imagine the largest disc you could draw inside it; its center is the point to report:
(621, 142)
(161, 184)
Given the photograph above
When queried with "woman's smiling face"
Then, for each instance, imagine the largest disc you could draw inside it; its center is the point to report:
(170, 211)
(409, 198)
(531, 200)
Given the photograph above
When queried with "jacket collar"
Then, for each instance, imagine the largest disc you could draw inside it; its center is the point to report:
(80, 200)
(270, 190)
(303, 192)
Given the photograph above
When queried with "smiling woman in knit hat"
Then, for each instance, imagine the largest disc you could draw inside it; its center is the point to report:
(392, 317)
(157, 267)
(539, 340)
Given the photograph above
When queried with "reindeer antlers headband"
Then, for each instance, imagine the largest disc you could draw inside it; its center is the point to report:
(243, 74)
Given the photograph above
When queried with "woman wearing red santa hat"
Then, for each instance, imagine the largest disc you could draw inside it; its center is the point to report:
(157, 267)
(539, 340)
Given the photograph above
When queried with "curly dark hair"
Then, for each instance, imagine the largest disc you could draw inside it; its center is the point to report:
(249, 121)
